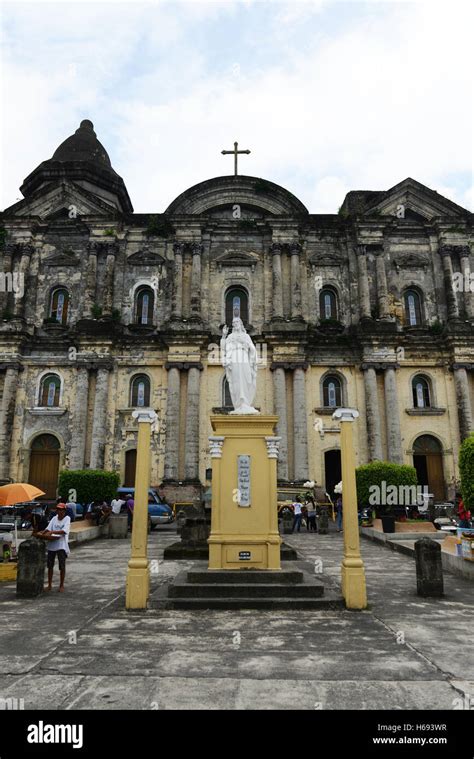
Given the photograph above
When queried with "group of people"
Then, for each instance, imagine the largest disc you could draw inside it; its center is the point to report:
(306, 514)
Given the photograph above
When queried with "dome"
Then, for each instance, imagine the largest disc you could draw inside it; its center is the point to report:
(83, 145)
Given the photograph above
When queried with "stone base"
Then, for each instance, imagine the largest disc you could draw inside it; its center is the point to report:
(174, 491)
(200, 551)
(201, 588)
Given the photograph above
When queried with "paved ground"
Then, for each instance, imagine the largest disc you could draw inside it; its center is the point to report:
(81, 649)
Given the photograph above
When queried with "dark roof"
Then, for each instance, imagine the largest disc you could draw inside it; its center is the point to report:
(83, 145)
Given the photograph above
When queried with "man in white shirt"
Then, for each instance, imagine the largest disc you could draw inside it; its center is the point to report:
(116, 505)
(56, 534)
(297, 514)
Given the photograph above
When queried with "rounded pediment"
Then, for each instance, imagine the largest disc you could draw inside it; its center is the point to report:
(219, 196)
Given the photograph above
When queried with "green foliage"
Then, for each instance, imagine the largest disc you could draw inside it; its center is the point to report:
(262, 187)
(466, 469)
(159, 227)
(109, 232)
(89, 484)
(96, 311)
(247, 225)
(436, 328)
(116, 315)
(378, 472)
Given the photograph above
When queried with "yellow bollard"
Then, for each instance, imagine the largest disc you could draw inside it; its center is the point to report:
(138, 573)
(354, 588)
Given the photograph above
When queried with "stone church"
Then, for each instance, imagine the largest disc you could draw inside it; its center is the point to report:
(105, 310)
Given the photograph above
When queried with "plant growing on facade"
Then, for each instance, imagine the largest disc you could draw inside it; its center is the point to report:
(96, 311)
(159, 227)
(466, 470)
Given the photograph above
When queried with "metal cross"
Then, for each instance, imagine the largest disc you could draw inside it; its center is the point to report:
(236, 153)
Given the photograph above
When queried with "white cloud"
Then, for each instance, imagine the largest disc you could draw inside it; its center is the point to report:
(358, 105)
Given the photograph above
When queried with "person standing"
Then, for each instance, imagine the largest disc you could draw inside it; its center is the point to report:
(464, 516)
(57, 534)
(312, 527)
(297, 514)
(339, 513)
(130, 507)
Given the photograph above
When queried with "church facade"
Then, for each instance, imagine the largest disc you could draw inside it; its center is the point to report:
(105, 310)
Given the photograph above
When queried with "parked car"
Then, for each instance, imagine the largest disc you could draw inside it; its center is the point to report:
(159, 512)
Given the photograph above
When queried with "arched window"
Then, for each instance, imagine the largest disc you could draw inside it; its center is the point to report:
(412, 308)
(226, 399)
(327, 304)
(140, 391)
(144, 302)
(332, 392)
(49, 391)
(236, 304)
(59, 305)
(421, 392)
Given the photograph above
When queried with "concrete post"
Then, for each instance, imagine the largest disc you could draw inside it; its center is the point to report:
(372, 414)
(364, 295)
(172, 424)
(352, 568)
(138, 574)
(429, 569)
(277, 282)
(300, 429)
(191, 461)
(464, 401)
(31, 565)
(279, 388)
(392, 415)
(100, 418)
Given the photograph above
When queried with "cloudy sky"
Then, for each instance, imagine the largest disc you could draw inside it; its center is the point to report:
(329, 96)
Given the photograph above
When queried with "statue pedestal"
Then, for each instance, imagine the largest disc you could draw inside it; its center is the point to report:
(244, 519)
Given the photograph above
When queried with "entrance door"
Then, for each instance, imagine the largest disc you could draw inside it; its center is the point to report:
(130, 468)
(428, 462)
(332, 470)
(44, 465)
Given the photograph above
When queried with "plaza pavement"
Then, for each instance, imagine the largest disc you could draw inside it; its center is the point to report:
(82, 650)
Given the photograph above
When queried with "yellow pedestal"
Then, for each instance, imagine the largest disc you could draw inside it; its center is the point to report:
(8, 571)
(241, 536)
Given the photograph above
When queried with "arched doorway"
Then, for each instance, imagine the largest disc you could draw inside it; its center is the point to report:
(332, 470)
(428, 462)
(130, 468)
(44, 464)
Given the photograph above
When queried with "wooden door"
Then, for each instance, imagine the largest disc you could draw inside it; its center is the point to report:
(130, 468)
(44, 465)
(434, 463)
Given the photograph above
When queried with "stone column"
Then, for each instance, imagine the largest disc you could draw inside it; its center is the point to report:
(172, 424)
(277, 281)
(196, 249)
(279, 390)
(464, 400)
(91, 280)
(451, 300)
(177, 310)
(300, 428)
(108, 297)
(372, 414)
(99, 431)
(464, 255)
(364, 295)
(191, 456)
(295, 250)
(392, 414)
(79, 428)
(6, 418)
(20, 280)
(382, 289)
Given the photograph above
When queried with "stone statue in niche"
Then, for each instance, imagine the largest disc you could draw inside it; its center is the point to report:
(239, 359)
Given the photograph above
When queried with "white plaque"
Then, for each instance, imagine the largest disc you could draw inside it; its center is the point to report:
(243, 476)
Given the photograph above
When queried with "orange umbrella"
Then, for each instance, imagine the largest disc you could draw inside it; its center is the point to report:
(18, 492)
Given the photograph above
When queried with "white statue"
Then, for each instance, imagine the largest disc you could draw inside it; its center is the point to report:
(239, 358)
